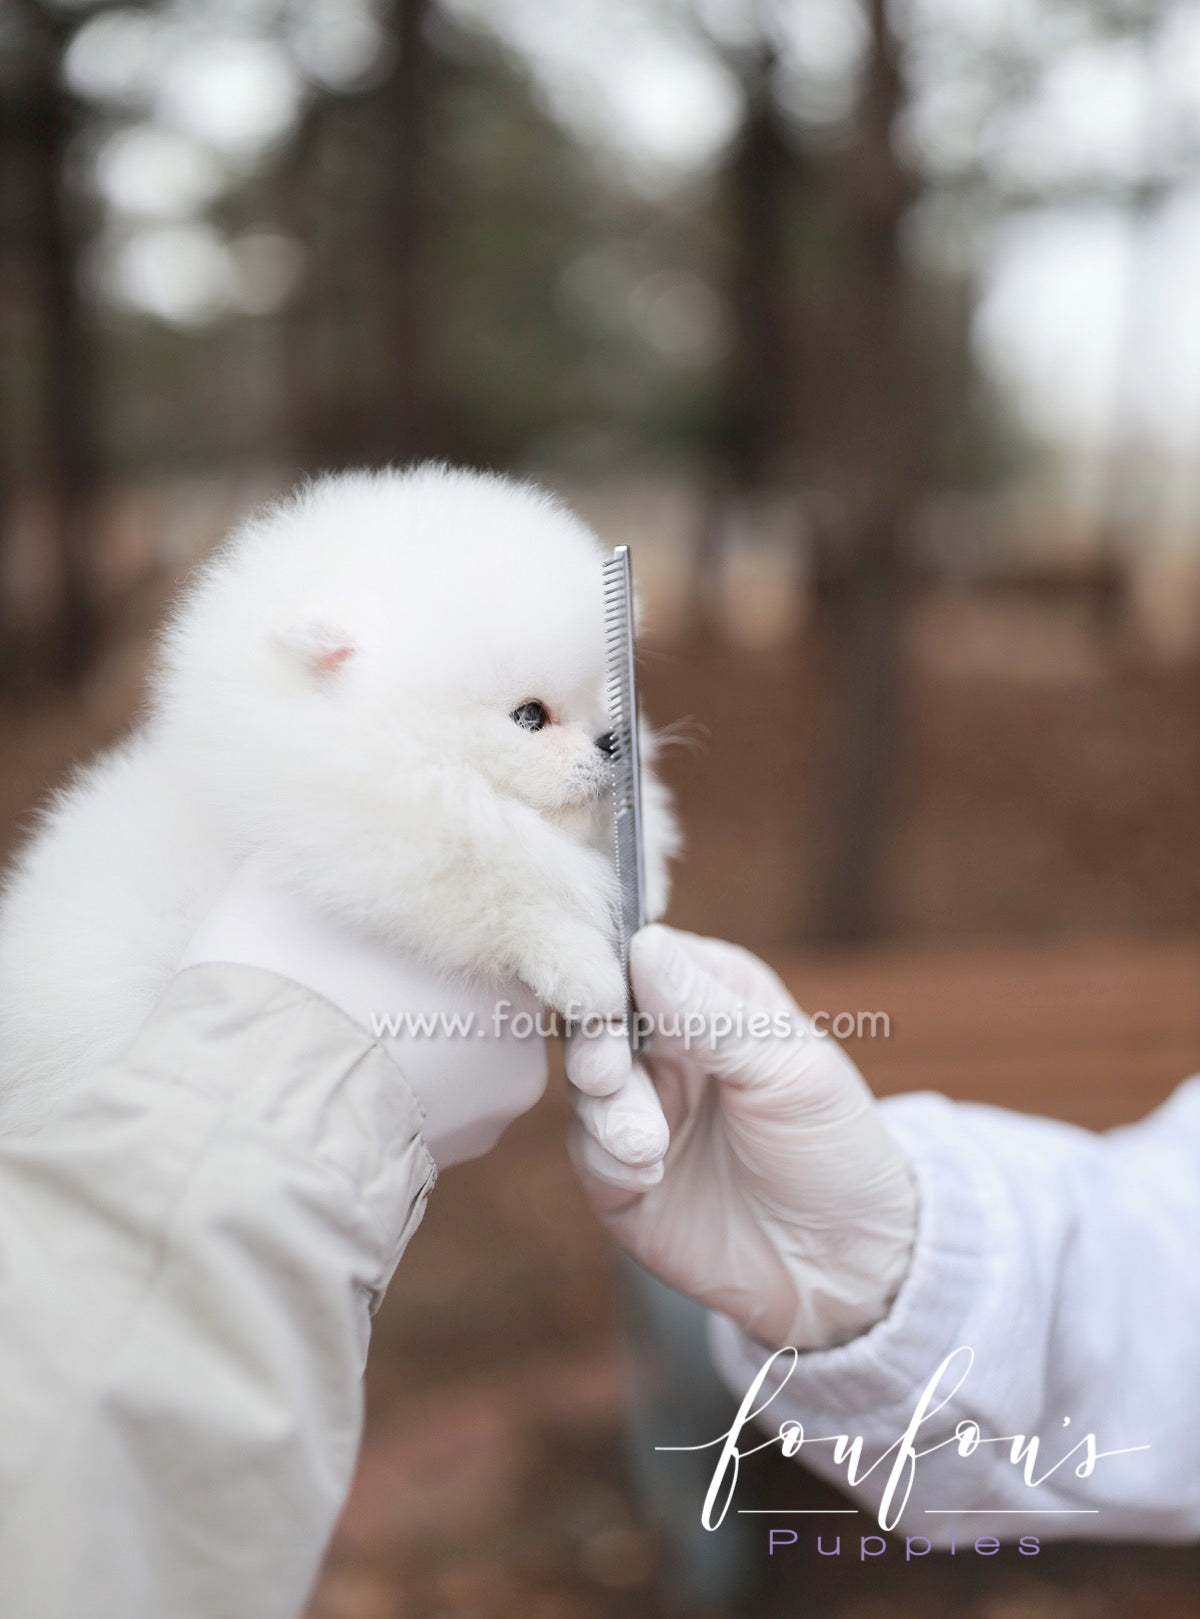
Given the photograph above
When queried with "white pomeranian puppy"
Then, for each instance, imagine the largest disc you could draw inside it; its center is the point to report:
(393, 682)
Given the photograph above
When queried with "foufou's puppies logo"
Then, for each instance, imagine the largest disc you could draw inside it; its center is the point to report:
(898, 1463)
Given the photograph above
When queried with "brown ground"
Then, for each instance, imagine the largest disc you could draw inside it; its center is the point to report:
(1055, 810)
(491, 1484)
(1037, 798)
(1032, 806)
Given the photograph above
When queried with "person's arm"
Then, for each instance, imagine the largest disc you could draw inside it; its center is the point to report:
(190, 1250)
(1067, 1263)
(188, 1259)
(879, 1239)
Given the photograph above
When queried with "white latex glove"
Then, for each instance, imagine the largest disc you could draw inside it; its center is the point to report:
(470, 1086)
(783, 1202)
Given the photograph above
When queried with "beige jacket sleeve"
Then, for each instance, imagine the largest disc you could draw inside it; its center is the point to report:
(188, 1261)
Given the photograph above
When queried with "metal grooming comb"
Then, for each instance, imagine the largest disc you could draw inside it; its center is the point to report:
(626, 765)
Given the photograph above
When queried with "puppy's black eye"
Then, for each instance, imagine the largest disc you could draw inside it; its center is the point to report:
(531, 716)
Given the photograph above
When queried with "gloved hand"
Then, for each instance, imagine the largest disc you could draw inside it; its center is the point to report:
(470, 1084)
(783, 1202)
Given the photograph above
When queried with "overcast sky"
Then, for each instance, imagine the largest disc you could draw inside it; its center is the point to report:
(1094, 326)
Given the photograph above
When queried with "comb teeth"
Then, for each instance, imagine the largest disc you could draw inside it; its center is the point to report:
(618, 618)
(621, 692)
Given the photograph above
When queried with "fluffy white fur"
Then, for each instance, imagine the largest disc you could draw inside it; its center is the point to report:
(337, 686)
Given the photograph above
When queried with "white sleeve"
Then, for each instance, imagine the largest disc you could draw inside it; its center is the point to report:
(188, 1260)
(1066, 1262)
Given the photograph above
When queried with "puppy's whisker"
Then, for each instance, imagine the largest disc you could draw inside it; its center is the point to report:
(686, 733)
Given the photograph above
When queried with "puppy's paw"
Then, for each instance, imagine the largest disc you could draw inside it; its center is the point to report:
(576, 971)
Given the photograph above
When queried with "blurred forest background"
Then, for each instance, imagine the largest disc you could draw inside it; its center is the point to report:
(874, 327)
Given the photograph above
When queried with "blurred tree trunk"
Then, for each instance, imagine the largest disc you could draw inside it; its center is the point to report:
(10, 293)
(1131, 475)
(406, 98)
(864, 587)
(72, 636)
(753, 404)
(306, 316)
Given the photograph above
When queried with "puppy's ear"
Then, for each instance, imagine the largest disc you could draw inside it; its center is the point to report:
(319, 650)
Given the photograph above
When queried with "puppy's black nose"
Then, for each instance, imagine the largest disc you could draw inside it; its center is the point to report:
(606, 743)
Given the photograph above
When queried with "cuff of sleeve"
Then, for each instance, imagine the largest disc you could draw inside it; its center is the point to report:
(301, 1068)
(954, 1255)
